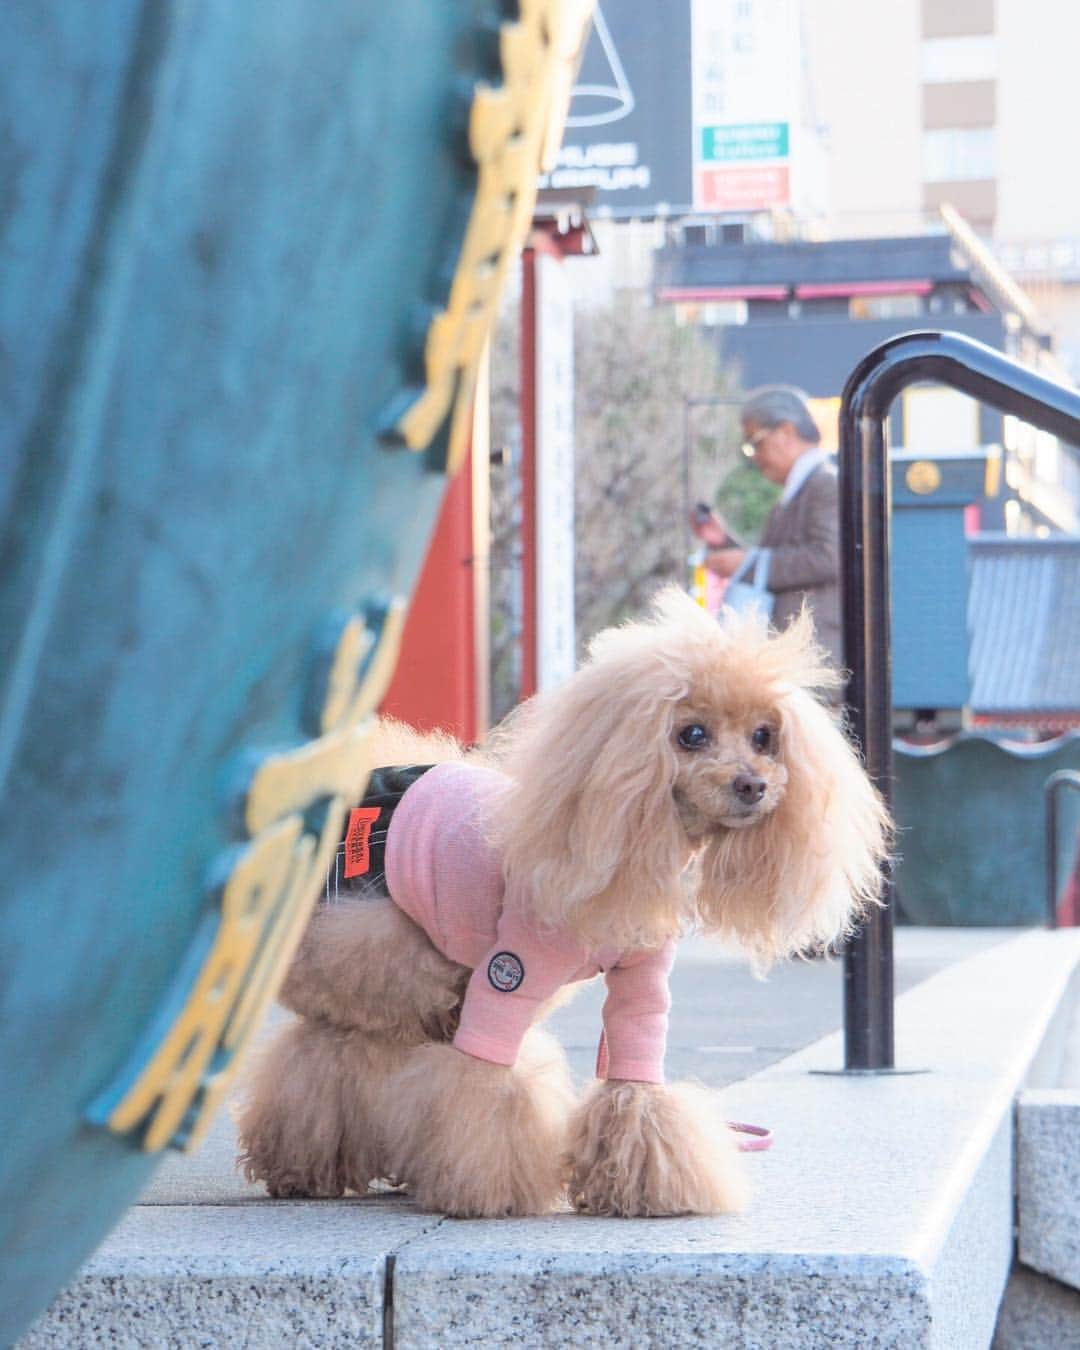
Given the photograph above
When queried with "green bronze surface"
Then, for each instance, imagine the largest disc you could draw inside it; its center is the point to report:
(224, 229)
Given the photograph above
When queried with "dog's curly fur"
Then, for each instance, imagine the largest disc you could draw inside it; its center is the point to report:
(687, 776)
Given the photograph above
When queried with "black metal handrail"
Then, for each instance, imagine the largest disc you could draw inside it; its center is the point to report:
(1062, 778)
(865, 510)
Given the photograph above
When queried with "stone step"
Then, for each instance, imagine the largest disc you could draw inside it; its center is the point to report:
(883, 1216)
(1048, 1183)
(1037, 1313)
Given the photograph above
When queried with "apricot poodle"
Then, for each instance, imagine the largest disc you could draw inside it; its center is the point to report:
(688, 776)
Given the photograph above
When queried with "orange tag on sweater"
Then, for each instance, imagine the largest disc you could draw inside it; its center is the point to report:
(357, 854)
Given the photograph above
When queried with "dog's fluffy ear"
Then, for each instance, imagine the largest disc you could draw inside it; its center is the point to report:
(590, 836)
(802, 877)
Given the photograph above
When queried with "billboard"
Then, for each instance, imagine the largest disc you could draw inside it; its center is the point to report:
(687, 106)
(628, 131)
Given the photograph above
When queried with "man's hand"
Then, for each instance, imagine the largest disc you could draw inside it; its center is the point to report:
(710, 529)
(724, 561)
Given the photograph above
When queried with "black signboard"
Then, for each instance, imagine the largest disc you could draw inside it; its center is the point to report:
(628, 135)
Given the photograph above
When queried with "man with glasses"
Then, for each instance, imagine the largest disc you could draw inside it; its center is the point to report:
(802, 534)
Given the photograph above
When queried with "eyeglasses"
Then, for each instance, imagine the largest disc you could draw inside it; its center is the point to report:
(750, 447)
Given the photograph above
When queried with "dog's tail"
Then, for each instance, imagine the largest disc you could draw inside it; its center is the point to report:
(395, 742)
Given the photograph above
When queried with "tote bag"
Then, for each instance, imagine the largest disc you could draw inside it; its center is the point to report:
(746, 588)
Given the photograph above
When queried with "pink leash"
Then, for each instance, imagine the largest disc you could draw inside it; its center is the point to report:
(758, 1137)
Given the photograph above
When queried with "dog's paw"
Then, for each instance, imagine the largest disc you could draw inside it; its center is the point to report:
(304, 1115)
(640, 1150)
(479, 1140)
(297, 1177)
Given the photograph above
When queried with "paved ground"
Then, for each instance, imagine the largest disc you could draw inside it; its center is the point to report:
(726, 1025)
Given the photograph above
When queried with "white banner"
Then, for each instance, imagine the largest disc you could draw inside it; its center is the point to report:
(554, 473)
(746, 80)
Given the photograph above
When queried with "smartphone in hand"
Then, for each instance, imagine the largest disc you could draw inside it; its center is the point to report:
(709, 527)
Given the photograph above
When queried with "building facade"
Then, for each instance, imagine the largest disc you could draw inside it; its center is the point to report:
(972, 107)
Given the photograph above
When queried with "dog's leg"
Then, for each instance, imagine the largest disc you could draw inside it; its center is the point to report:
(645, 1149)
(312, 1120)
(292, 1120)
(479, 1140)
(370, 987)
(364, 964)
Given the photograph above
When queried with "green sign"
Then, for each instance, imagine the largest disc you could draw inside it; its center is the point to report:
(745, 140)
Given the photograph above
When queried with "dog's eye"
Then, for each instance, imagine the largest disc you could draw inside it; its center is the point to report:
(762, 739)
(693, 737)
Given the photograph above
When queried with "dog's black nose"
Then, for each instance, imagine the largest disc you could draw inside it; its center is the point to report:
(749, 788)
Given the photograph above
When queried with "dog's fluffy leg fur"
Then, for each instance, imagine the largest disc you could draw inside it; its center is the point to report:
(365, 964)
(479, 1140)
(370, 988)
(649, 1150)
(309, 1124)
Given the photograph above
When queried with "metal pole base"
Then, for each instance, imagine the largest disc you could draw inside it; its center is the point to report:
(867, 1073)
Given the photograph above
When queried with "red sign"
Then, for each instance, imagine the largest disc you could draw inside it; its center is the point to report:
(744, 188)
(357, 853)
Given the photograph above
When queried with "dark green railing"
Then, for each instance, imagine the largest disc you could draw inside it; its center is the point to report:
(865, 508)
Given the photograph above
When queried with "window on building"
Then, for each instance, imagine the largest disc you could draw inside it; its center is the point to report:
(721, 313)
(936, 419)
(712, 313)
(826, 415)
(884, 306)
(958, 154)
(953, 60)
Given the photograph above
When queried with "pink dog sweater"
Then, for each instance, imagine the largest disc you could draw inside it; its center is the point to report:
(447, 877)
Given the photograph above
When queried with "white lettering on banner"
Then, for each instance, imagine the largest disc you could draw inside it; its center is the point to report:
(607, 154)
(610, 166)
(609, 180)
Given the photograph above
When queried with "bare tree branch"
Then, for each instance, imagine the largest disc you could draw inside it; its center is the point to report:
(634, 370)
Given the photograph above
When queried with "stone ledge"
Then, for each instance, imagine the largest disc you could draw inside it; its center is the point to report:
(1037, 1312)
(1048, 1182)
(302, 1275)
(883, 1215)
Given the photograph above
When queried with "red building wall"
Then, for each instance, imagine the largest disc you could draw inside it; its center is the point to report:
(436, 681)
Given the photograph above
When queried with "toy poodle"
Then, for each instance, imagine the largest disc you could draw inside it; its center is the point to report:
(687, 776)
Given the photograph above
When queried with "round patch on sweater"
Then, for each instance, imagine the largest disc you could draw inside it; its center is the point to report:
(505, 972)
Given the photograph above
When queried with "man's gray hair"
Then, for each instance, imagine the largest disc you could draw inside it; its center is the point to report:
(773, 404)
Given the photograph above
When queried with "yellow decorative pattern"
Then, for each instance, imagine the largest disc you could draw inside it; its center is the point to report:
(332, 764)
(265, 901)
(514, 131)
(923, 476)
(347, 703)
(992, 473)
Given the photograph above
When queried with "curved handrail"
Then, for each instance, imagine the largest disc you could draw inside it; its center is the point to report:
(865, 508)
